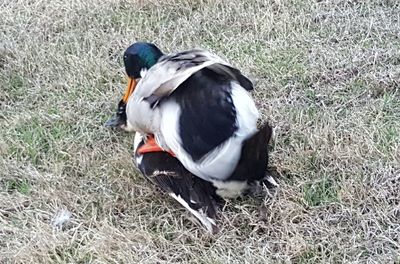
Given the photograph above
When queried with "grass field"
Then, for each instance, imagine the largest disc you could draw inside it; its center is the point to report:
(327, 78)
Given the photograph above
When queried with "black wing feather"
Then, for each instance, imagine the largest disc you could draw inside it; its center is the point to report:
(169, 174)
(208, 116)
(253, 161)
(242, 80)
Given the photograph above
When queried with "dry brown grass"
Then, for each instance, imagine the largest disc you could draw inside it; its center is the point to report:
(328, 76)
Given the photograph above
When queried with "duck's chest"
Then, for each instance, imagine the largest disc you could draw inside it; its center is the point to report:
(142, 116)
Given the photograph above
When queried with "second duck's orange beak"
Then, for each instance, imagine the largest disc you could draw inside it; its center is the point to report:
(129, 89)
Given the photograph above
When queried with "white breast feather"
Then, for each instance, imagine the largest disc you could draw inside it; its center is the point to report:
(141, 117)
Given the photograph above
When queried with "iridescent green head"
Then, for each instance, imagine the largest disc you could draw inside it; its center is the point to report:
(139, 56)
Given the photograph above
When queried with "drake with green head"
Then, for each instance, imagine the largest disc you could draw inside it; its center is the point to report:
(198, 108)
(137, 58)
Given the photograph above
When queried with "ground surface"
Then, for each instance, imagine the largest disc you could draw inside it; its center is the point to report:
(327, 74)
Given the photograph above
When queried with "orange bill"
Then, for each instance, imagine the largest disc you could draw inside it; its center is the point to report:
(129, 89)
(152, 146)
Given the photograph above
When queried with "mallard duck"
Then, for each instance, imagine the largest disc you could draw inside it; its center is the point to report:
(196, 108)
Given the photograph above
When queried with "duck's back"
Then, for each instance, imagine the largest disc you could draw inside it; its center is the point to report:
(208, 115)
(205, 121)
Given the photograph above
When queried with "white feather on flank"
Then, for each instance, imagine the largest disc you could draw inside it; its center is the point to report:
(207, 222)
(167, 137)
(247, 113)
(219, 163)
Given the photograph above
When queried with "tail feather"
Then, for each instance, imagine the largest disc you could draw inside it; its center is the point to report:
(253, 162)
(232, 73)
